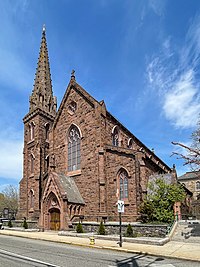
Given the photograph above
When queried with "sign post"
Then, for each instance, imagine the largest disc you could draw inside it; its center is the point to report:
(120, 207)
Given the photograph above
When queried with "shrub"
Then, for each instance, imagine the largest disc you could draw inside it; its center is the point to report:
(10, 224)
(101, 230)
(25, 224)
(129, 231)
(79, 228)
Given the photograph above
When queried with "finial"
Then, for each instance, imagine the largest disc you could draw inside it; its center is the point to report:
(73, 74)
(43, 28)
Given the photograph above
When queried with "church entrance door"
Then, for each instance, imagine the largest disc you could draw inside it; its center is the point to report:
(54, 219)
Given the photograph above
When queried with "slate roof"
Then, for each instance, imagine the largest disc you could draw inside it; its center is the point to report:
(167, 177)
(69, 189)
(189, 176)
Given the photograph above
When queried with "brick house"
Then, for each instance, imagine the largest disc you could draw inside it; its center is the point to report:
(79, 160)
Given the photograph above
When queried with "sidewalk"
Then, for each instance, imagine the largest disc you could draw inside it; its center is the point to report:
(172, 249)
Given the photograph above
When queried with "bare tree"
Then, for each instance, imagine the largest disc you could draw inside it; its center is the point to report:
(9, 199)
(190, 154)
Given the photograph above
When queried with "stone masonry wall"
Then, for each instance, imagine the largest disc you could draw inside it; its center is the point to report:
(147, 230)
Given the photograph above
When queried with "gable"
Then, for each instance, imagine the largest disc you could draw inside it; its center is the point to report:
(74, 90)
(63, 187)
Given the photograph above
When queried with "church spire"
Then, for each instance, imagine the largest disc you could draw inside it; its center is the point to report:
(42, 94)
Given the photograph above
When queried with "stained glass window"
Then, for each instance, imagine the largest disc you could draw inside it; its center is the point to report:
(31, 198)
(198, 185)
(115, 137)
(123, 184)
(74, 149)
(32, 163)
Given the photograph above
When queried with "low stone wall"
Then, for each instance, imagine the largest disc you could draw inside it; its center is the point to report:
(112, 228)
(19, 223)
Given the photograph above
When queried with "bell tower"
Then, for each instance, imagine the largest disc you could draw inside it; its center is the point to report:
(37, 125)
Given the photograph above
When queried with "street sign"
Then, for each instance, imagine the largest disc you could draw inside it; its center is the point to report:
(120, 206)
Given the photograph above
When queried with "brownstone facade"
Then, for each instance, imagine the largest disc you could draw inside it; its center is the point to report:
(191, 180)
(79, 160)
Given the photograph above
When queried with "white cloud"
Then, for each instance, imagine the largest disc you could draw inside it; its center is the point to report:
(11, 159)
(181, 104)
(173, 74)
(157, 6)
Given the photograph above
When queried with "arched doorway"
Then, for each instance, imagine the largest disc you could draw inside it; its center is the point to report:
(54, 219)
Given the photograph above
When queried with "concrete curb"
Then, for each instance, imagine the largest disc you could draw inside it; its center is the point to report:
(120, 249)
(136, 240)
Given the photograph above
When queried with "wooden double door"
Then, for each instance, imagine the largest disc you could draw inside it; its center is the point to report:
(54, 219)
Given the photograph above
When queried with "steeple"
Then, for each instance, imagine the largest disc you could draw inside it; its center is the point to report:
(42, 94)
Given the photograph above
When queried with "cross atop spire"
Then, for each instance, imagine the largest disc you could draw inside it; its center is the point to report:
(42, 94)
(73, 75)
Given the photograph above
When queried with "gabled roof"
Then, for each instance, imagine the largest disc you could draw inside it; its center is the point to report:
(65, 188)
(167, 177)
(190, 176)
(138, 142)
(69, 189)
(187, 191)
(93, 102)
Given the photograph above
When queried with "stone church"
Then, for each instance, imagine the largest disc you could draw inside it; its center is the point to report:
(79, 160)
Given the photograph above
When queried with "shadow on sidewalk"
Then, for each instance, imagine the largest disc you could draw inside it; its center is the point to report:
(132, 262)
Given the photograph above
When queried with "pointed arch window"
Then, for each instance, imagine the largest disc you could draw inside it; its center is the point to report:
(31, 195)
(74, 149)
(31, 131)
(46, 163)
(115, 136)
(130, 143)
(47, 131)
(41, 98)
(32, 163)
(72, 107)
(197, 185)
(123, 185)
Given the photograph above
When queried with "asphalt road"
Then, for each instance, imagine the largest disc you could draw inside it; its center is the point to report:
(15, 251)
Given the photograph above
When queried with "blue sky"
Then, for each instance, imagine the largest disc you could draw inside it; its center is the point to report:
(142, 57)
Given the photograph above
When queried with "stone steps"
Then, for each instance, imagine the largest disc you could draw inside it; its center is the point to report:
(187, 232)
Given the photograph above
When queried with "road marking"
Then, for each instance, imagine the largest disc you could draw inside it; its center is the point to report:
(153, 265)
(8, 253)
(162, 265)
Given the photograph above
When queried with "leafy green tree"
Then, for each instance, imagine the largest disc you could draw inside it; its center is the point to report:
(160, 200)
